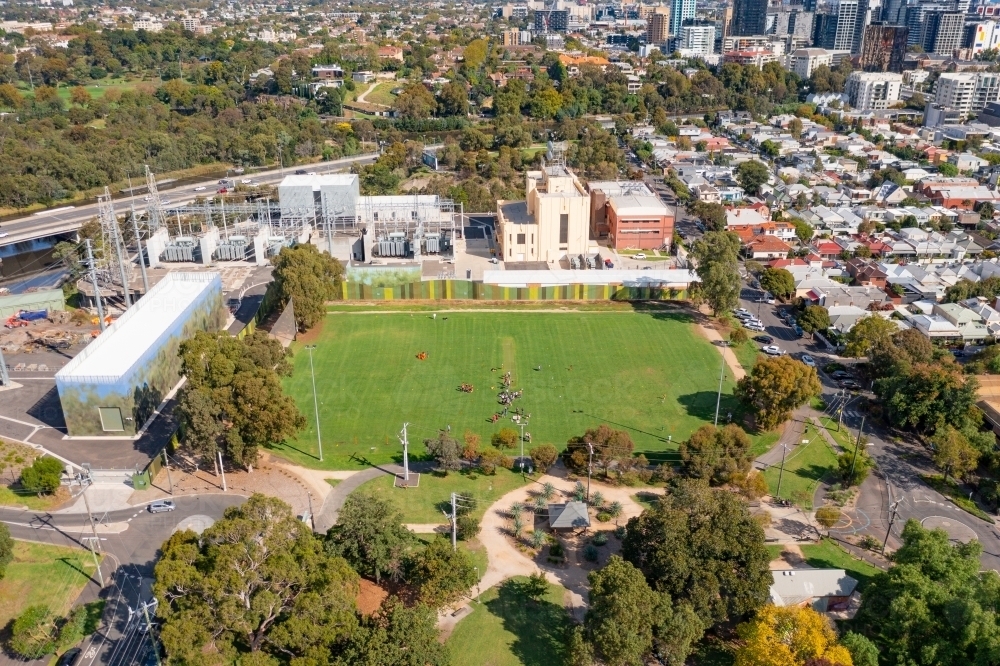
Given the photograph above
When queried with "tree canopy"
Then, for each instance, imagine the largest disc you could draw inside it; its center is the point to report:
(717, 256)
(716, 454)
(778, 281)
(370, 535)
(866, 334)
(775, 387)
(308, 278)
(789, 636)
(751, 175)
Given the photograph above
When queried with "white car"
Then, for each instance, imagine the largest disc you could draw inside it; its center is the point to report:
(741, 311)
(311, 173)
(200, 188)
(754, 326)
(809, 360)
(4, 234)
(773, 350)
(639, 255)
(147, 199)
(246, 181)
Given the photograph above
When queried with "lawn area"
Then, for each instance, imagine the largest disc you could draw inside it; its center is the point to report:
(774, 550)
(10, 497)
(98, 90)
(43, 574)
(747, 354)
(841, 434)
(509, 629)
(805, 465)
(382, 93)
(646, 372)
(828, 555)
(424, 503)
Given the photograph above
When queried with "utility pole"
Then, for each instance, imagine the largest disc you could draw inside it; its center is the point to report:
(522, 451)
(893, 512)
(97, 564)
(857, 446)
(312, 373)
(722, 375)
(312, 518)
(152, 637)
(223, 471)
(107, 209)
(590, 466)
(781, 470)
(97, 289)
(406, 456)
(142, 262)
(166, 464)
(454, 524)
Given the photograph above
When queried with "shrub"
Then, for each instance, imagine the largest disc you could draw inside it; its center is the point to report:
(44, 475)
(600, 539)
(597, 500)
(827, 516)
(620, 532)
(33, 633)
(556, 549)
(507, 462)
(516, 509)
(548, 491)
(544, 456)
(506, 438)
(579, 492)
(590, 552)
(540, 504)
(518, 527)
(467, 527)
(615, 509)
(603, 516)
(488, 461)
(538, 539)
(868, 542)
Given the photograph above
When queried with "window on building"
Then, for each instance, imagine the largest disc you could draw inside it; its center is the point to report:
(111, 419)
(520, 239)
(564, 228)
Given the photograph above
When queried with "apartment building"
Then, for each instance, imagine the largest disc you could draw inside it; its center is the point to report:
(967, 92)
(804, 61)
(869, 91)
(697, 39)
(658, 26)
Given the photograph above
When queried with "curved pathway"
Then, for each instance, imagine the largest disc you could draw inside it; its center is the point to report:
(327, 516)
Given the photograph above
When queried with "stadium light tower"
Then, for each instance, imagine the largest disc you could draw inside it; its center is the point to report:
(312, 372)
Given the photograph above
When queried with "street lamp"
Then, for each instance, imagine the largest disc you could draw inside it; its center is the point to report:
(590, 465)
(477, 585)
(521, 459)
(312, 373)
(722, 375)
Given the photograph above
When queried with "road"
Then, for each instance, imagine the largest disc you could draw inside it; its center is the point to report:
(64, 220)
(127, 567)
(900, 464)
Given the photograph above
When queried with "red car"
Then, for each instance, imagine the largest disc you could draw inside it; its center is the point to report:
(222, 190)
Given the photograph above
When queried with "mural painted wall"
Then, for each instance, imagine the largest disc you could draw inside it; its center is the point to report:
(138, 391)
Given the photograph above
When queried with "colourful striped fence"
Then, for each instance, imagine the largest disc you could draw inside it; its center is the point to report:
(467, 290)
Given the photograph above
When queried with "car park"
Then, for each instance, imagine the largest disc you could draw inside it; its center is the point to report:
(161, 505)
(755, 326)
(773, 350)
(808, 360)
(764, 339)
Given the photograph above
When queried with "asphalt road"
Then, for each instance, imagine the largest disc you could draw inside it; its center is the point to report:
(127, 567)
(176, 192)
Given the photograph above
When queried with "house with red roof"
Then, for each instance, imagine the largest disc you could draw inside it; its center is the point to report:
(827, 249)
(764, 246)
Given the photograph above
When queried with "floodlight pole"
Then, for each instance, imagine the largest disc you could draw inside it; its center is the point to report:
(97, 290)
(223, 471)
(166, 464)
(312, 373)
(590, 466)
(522, 451)
(781, 470)
(722, 375)
(406, 455)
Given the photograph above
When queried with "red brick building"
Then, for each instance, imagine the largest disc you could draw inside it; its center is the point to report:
(636, 221)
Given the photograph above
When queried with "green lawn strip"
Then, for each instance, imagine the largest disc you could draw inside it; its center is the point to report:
(804, 466)
(747, 354)
(762, 443)
(951, 490)
(828, 555)
(840, 433)
(480, 306)
(382, 94)
(425, 503)
(646, 500)
(774, 550)
(333, 482)
(657, 381)
(11, 497)
(41, 574)
(508, 629)
(100, 90)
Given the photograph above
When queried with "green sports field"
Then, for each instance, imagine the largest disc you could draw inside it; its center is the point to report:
(647, 372)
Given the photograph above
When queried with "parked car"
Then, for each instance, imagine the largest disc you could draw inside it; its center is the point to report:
(200, 188)
(764, 339)
(222, 190)
(840, 374)
(161, 505)
(300, 172)
(755, 326)
(809, 360)
(741, 311)
(608, 263)
(70, 657)
(772, 350)
(246, 181)
(799, 331)
(850, 384)
(639, 255)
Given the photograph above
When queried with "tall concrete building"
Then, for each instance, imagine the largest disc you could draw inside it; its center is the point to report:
(551, 20)
(942, 32)
(917, 16)
(750, 17)
(982, 36)
(871, 91)
(697, 39)
(658, 26)
(681, 11)
(793, 22)
(847, 25)
(883, 48)
(966, 92)
(804, 61)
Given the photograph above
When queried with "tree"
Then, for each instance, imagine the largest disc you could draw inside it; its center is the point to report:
(770, 148)
(308, 278)
(453, 100)
(505, 438)
(928, 396)
(866, 334)
(717, 254)
(828, 516)
(544, 456)
(947, 169)
(233, 399)
(702, 547)
(441, 574)
(863, 651)
(446, 450)
(257, 582)
(716, 454)
(44, 476)
(739, 336)
(10, 96)
(751, 175)
(712, 214)
(778, 281)
(814, 318)
(853, 469)
(619, 621)
(78, 95)
(415, 102)
(369, 534)
(6, 549)
(789, 636)
(395, 635)
(610, 446)
(803, 230)
(33, 633)
(909, 611)
(952, 452)
(775, 387)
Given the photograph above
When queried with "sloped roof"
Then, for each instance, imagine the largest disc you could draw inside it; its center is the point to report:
(568, 516)
(796, 586)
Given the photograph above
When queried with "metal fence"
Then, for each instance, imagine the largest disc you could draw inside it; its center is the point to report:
(468, 290)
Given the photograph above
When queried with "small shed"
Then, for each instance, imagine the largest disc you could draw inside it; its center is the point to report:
(568, 516)
(825, 590)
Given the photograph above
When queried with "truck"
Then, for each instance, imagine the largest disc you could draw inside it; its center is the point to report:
(32, 315)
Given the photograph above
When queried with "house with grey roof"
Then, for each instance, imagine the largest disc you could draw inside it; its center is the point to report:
(569, 516)
(824, 590)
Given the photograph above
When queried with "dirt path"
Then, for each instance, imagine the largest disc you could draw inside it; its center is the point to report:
(362, 96)
(713, 336)
(506, 561)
